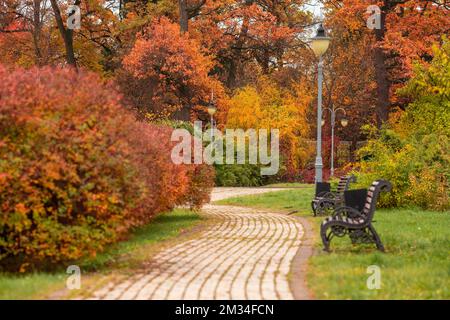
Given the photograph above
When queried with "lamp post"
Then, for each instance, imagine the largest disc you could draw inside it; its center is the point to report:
(319, 45)
(344, 123)
(211, 111)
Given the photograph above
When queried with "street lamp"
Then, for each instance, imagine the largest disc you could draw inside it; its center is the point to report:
(319, 45)
(211, 111)
(344, 123)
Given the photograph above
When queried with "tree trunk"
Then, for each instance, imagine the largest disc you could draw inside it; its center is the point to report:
(353, 146)
(231, 78)
(66, 34)
(381, 74)
(263, 61)
(183, 15)
(237, 51)
(37, 31)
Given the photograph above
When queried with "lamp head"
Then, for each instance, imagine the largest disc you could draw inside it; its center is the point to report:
(320, 43)
(344, 122)
(211, 109)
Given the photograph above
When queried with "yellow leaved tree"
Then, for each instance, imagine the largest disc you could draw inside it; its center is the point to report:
(267, 106)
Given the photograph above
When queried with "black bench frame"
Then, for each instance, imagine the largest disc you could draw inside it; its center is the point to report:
(326, 202)
(357, 224)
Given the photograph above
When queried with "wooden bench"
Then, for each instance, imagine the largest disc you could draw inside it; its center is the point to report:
(325, 201)
(356, 223)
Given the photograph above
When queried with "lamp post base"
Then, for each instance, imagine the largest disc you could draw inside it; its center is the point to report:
(319, 166)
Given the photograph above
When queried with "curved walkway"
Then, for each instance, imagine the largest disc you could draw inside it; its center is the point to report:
(246, 255)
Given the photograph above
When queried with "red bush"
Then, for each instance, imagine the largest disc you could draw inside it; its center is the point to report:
(76, 170)
(201, 183)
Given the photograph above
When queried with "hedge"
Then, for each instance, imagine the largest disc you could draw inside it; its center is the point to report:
(77, 171)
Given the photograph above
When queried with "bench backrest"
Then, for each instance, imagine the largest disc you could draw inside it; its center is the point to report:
(322, 187)
(372, 197)
(344, 183)
(355, 199)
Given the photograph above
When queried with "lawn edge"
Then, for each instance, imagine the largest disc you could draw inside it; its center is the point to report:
(298, 282)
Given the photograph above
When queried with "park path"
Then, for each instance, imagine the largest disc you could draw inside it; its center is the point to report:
(247, 254)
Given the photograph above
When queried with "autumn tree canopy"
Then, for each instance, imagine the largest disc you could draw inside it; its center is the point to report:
(408, 30)
(168, 70)
(169, 56)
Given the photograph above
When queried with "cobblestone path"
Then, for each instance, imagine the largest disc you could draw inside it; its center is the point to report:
(246, 255)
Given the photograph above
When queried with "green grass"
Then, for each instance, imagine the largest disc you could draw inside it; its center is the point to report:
(416, 264)
(13, 287)
(287, 185)
(121, 255)
(287, 200)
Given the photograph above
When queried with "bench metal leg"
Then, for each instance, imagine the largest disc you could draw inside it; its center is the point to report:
(325, 239)
(313, 206)
(376, 238)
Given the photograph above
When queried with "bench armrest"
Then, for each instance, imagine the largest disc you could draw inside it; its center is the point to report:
(349, 212)
(329, 195)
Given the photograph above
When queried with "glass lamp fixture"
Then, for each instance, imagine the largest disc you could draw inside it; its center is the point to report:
(344, 122)
(211, 109)
(320, 43)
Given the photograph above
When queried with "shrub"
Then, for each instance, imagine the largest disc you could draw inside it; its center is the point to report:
(76, 170)
(238, 175)
(417, 169)
(429, 189)
(200, 186)
(201, 176)
(164, 183)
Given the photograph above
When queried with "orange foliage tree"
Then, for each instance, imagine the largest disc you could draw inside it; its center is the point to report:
(167, 71)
